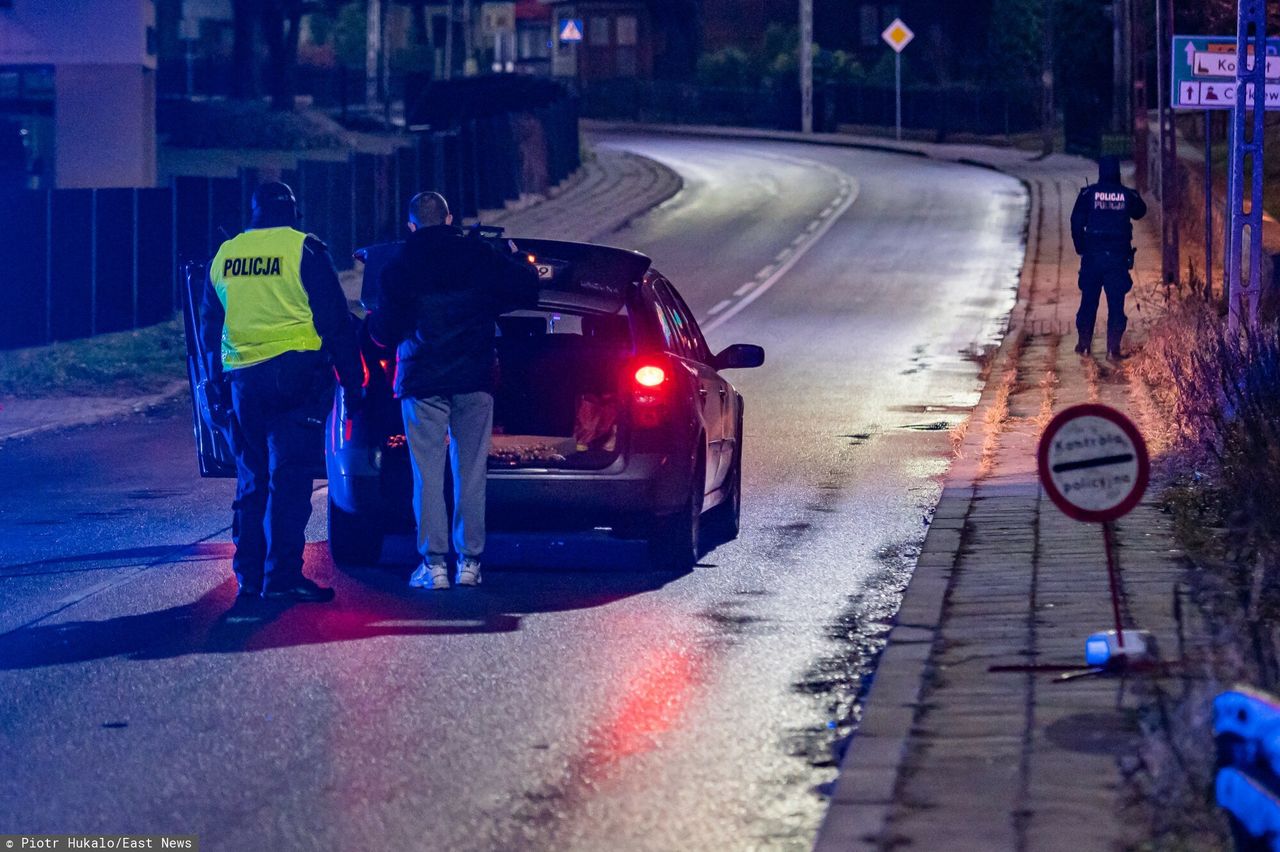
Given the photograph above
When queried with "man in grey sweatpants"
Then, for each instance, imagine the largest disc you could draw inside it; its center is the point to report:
(439, 298)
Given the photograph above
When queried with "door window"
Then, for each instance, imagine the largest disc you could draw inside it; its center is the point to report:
(686, 327)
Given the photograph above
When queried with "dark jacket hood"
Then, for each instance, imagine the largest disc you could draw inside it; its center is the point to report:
(1109, 170)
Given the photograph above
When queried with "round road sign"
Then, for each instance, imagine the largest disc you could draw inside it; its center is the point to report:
(1093, 462)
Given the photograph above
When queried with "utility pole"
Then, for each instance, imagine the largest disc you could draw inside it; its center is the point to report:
(1047, 113)
(806, 65)
(1246, 144)
(1170, 262)
(372, 53)
(469, 66)
(1138, 70)
(448, 43)
(1120, 64)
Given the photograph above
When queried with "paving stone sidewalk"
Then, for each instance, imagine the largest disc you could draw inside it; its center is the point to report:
(612, 188)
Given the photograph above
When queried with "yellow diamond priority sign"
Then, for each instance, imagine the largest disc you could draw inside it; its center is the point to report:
(898, 35)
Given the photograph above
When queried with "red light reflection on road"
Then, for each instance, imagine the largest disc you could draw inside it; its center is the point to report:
(656, 692)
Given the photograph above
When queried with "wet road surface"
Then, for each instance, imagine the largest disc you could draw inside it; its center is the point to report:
(577, 700)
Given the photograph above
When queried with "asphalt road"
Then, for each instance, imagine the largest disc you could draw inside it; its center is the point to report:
(577, 700)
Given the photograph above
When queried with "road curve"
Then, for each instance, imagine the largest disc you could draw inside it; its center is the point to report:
(577, 700)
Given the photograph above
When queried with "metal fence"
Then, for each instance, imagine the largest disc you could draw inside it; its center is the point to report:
(80, 262)
(85, 262)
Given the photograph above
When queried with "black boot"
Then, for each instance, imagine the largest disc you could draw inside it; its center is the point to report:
(1084, 344)
(1113, 345)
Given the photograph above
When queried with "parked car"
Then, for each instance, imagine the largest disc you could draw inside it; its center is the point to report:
(610, 412)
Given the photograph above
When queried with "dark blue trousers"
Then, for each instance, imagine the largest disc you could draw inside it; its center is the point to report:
(276, 432)
(1103, 273)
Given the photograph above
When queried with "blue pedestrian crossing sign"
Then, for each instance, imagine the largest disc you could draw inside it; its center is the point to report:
(571, 29)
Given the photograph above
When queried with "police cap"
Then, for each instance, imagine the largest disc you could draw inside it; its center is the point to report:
(274, 202)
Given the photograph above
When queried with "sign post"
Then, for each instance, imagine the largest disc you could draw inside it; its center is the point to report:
(806, 66)
(1094, 466)
(897, 35)
(1208, 75)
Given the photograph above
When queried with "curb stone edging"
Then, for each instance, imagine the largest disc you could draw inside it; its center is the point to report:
(105, 410)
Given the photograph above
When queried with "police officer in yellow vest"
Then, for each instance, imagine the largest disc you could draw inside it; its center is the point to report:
(275, 311)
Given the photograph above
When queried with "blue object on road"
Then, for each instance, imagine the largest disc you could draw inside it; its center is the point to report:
(1101, 649)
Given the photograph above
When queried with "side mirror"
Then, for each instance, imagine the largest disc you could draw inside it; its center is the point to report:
(739, 356)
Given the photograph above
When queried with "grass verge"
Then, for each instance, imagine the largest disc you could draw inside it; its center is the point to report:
(1212, 403)
(126, 363)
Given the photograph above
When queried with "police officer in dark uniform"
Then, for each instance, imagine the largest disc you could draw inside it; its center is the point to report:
(275, 312)
(1102, 230)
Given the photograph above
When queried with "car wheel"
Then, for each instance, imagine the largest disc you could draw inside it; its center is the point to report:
(354, 539)
(723, 522)
(675, 544)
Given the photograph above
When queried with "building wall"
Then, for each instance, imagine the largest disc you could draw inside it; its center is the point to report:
(102, 32)
(741, 23)
(103, 55)
(98, 143)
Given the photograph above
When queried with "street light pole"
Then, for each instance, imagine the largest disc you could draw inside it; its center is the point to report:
(372, 52)
(1047, 113)
(806, 65)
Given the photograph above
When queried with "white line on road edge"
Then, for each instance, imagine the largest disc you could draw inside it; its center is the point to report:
(830, 216)
(742, 291)
(720, 306)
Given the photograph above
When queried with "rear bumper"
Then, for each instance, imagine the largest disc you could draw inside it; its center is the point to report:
(628, 493)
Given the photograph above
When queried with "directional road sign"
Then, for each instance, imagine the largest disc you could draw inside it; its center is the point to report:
(1093, 463)
(898, 35)
(1204, 73)
(571, 29)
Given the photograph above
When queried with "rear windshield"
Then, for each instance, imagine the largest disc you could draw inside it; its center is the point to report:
(613, 329)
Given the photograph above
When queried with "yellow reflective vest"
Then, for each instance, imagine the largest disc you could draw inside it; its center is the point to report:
(258, 278)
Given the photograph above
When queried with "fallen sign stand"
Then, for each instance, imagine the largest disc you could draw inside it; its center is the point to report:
(1094, 466)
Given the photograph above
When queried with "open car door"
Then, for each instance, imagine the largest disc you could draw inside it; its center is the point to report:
(213, 448)
(212, 428)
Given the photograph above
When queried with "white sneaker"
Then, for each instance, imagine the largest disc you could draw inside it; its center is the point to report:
(468, 572)
(433, 576)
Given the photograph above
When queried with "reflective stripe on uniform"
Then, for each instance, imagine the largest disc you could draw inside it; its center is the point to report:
(258, 278)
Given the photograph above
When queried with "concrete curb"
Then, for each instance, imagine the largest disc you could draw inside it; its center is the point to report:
(85, 411)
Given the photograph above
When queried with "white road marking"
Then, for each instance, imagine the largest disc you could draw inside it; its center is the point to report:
(782, 255)
(772, 275)
(720, 306)
(742, 291)
(767, 271)
(800, 238)
(814, 225)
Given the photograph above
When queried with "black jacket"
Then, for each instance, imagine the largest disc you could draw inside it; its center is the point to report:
(1101, 221)
(329, 314)
(438, 300)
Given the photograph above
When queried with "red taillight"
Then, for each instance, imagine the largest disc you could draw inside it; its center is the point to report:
(649, 395)
(650, 376)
